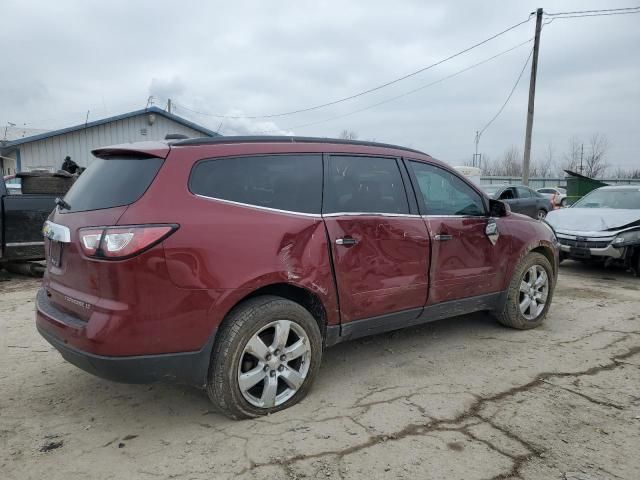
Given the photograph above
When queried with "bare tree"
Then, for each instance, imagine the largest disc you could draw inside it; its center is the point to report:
(545, 167)
(512, 162)
(572, 156)
(595, 163)
(348, 135)
(631, 173)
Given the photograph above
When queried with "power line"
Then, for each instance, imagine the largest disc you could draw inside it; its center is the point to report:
(365, 92)
(605, 10)
(513, 89)
(592, 15)
(410, 92)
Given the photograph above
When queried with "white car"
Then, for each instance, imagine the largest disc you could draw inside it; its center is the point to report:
(557, 195)
(602, 225)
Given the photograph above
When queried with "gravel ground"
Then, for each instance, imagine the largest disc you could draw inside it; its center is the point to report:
(461, 398)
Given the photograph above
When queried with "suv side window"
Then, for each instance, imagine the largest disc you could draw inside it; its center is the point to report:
(445, 193)
(523, 192)
(284, 182)
(364, 185)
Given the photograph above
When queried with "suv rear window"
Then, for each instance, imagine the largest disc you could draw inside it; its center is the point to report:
(282, 182)
(112, 182)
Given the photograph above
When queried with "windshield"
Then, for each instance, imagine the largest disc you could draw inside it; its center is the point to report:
(628, 198)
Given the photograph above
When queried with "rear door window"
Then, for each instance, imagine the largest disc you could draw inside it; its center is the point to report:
(283, 182)
(112, 182)
(364, 185)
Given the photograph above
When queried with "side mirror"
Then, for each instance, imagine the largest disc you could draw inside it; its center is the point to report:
(498, 208)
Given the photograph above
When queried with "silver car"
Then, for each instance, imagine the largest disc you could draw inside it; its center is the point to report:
(602, 225)
(557, 195)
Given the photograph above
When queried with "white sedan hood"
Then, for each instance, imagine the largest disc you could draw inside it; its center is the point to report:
(592, 219)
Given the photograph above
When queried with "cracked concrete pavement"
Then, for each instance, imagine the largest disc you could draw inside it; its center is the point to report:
(461, 398)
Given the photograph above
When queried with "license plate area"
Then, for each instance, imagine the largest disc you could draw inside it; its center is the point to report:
(55, 253)
(580, 252)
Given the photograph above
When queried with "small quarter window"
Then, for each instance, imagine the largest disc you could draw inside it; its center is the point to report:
(282, 182)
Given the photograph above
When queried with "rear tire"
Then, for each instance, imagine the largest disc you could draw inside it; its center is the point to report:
(524, 287)
(541, 214)
(272, 341)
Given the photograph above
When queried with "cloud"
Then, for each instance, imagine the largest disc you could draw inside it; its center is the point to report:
(281, 56)
(163, 89)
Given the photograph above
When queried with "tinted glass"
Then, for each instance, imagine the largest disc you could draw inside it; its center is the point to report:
(112, 182)
(508, 194)
(364, 184)
(546, 190)
(445, 193)
(283, 182)
(523, 192)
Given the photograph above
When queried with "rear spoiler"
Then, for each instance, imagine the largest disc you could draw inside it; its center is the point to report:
(138, 149)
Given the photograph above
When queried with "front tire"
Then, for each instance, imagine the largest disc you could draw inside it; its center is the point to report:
(530, 293)
(265, 359)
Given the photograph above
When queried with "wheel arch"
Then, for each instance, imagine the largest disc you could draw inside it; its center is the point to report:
(547, 251)
(300, 295)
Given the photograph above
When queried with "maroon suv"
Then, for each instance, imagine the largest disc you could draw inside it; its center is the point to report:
(231, 263)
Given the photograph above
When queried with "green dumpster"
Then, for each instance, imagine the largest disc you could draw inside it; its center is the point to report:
(579, 185)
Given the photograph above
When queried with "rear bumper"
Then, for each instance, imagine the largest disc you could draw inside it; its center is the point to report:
(189, 368)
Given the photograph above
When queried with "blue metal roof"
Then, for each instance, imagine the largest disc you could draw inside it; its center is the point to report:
(156, 110)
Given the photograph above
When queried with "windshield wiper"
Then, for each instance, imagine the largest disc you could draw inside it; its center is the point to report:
(62, 204)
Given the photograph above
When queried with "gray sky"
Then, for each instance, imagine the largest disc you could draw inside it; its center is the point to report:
(241, 58)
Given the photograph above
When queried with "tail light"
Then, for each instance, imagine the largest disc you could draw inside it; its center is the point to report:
(117, 243)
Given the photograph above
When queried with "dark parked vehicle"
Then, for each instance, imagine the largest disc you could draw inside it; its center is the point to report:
(231, 263)
(21, 218)
(521, 199)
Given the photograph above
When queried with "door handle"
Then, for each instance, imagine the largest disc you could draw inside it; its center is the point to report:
(442, 238)
(346, 241)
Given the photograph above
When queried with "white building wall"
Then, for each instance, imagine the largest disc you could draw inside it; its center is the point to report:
(50, 152)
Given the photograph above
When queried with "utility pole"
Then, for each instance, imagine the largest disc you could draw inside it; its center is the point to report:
(169, 105)
(476, 158)
(581, 155)
(532, 95)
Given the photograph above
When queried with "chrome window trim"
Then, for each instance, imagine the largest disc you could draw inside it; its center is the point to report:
(310, 215)
(369, 214)
(24, 244)
(259, 207)
(455, 216)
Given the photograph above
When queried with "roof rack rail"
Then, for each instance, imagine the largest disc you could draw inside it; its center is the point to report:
(284, 139)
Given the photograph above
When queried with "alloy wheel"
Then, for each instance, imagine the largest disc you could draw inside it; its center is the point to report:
(534, 289)
(274, 364)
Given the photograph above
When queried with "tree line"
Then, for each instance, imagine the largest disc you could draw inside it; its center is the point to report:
(588, 158)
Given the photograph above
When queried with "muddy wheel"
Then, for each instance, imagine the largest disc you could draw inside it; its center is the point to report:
(530, 293)
(265, 358)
